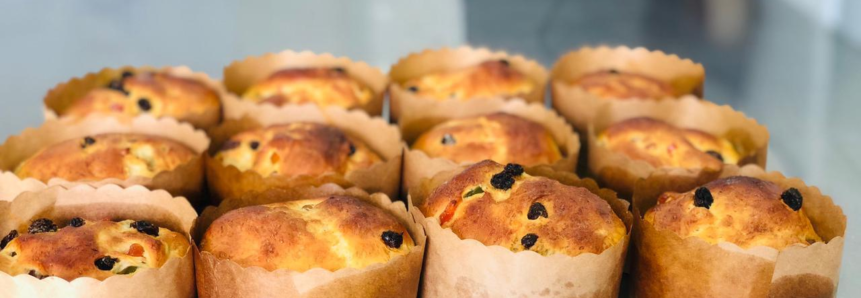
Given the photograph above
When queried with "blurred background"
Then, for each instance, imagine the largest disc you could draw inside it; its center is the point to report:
(794, 65)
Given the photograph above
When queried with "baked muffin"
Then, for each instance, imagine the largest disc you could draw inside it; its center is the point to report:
(501, 137)
(112, 155)
(331, 233)
(88, 248)
(501, 205)
(623, 85)
(489, 79)
(743, 210)
(322, 86)
(663, 145)
(299, 148)
(154, 93)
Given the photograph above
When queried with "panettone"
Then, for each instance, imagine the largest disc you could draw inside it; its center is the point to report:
(322, 86)
(493, 78)
(623, 85)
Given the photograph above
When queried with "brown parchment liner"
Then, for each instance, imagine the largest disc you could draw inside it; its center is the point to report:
(11, 186)
(184, 180)
(404, 102)
(175, 278)
(456, 267)
(670, 266)
(384, 139)
(399, 277)
(619, 172)
(580, 107)
(418, 165)
(62, 96)
(242, 74)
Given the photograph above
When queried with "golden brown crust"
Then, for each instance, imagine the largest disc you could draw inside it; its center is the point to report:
(98, 157)
(501, 137)
(156, 94)
(71, 252)
(322, 86)
(573, 220)
(623, 85)
(331, 233)
(298, 148)
(489, 79)
(746, 211)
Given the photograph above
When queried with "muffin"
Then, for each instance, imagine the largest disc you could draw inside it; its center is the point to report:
(502, 205)
(299, 148)
(329, 86)
(491, 78)
(743, 210)
(88, 248)
(112, 155)
(331, 232)
(500, 137)
(623, 85)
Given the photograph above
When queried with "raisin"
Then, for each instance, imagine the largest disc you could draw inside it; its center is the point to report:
(514, 169)
(117, 85)
(106, 263)
(413, 89)
(339, 69)
(703, 198)
(504, 62)
(254, 145)
(145, 227)
(35, 274)
(42, 225)
(529, 240)
(88, 141)
(536, 210)
(352, 149)
(502, 180)
(8, 238)
(792, 198)
(448, 139)
(393, 239)
(229, 145)
(715, 154)
(76, 222)
(613, 71)
(126, 74)
(144, 104)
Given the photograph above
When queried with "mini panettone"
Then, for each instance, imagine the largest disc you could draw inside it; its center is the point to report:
(331, 233)
(489, 79)
(622, 85)
(299, 148)
(88, 248)
(742, 210)
(154, 93)
(661, 144)
(501, 205)
(500, 137)
(322, 86)
(113, 155)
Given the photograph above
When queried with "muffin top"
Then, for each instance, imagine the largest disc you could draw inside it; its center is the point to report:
(112, 155)
(491, 78)
(622, 85)
(153, 93)
(88, 248)
(299, 148)
(663, 145)
(743, 210)
(501, 205)
(501, 137)
(330, 232)
(331, 86)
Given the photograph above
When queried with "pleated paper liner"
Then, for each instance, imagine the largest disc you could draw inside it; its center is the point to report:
(242, 74)
(418, 165)
(175, 278)
(12, 186)
(580, 107)
(456, 267)
(670, 266)
(384, 139)
(184, 180)
(61, 97)
(619, 172)
(403, 102)
(399, 277)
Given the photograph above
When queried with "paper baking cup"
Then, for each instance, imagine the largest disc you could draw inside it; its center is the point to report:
(184, 180)
(11, 186)
(399, 277)
(62, 96)
(456, 267)
(619, 172)
(579, 106)
(404, 102)
(670, 266)
(418, 165)
(384, 139)
(175, 278)
(241, 75)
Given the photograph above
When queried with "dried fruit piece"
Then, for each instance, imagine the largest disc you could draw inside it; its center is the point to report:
(703, 198)
(504, 62)
(536, 210)
(339, 69)
(448, 139)
(105, 263)
(126, 74)
(128, 270)
(413, 89)
(136, 250)
(42, 225)
(8, 238)
(36, 274)
(502, 180)
(529, 240)
(474, 191)
(254, 145)
(87, 142)
(715, 154)
(145, 227)
(393, 239)
(229, 145)
(76, 222)
(144, 104)
(514, 169)
(792, 198)
(352, 149)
